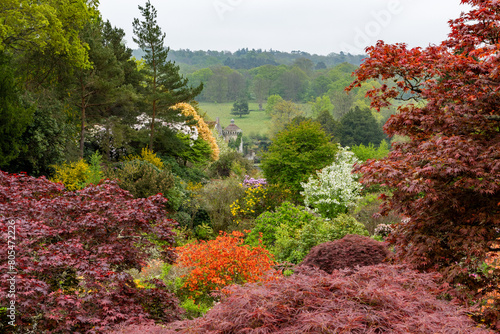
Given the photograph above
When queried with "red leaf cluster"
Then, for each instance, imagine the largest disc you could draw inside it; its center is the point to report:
(350, 251)
(375, 299)
(71, 250)
(447, 177)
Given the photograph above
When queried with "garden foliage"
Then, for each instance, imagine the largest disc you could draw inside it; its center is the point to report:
(349, 252)
(71, 253)
(267, 223)
(142, 179)
(334, 189)
(296, 153)
(218, 263)
(447, 176)
(293, 244)
(259, 197)
(375, 299)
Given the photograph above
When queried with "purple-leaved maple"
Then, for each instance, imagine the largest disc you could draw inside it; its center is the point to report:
(71, 253)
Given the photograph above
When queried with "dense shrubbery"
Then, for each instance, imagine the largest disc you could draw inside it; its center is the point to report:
(348, 252)
(216, 198)
(259, 197)
(267, 223)
(291, 231)
(143, 179)
(79, 174)
(71, 253)
(292, 245)
(217, 263)
(376, 299)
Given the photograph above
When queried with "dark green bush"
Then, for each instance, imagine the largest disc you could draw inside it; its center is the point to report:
(143, 179)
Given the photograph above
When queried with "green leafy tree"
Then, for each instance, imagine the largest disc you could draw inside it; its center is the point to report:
(15, 114)
(166, 86)
(284, 112)
(296, 153)
(240, 108)
(272, 101)
(49, 25)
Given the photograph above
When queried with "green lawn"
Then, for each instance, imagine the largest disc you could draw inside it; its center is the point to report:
(256, 122)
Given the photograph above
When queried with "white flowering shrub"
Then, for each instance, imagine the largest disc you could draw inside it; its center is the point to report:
(334, 189)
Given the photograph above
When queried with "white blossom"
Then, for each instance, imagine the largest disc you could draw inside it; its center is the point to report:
(144, 121)
(335, 188)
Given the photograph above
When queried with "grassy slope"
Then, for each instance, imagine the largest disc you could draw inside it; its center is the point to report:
(256, 122)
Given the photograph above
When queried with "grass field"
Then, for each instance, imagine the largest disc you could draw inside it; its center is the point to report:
(257, 122)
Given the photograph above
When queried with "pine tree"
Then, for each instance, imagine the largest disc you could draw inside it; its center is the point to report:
(166, 86)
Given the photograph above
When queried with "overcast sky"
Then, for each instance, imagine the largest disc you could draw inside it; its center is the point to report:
(314, 26)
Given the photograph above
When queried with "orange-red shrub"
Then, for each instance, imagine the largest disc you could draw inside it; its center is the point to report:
(221, 262)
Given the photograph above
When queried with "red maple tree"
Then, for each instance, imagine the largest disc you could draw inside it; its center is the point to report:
(69, 253)
(446, 178)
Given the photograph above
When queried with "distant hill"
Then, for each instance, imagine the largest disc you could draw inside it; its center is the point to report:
(248, 59)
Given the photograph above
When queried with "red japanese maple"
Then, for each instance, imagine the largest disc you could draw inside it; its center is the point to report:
(447, 177)
(70, 253)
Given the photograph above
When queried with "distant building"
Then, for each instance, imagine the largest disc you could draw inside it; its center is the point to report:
(230, 132)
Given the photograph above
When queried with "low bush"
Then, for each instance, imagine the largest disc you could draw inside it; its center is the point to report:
(142, 179)
(73, 251)
(375, 299)
(215, 264)
(215, 199)
(267, 223)
(292, 245)
(350, 251)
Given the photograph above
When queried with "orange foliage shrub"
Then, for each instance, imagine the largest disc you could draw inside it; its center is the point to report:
(221, 262)
(203, 129)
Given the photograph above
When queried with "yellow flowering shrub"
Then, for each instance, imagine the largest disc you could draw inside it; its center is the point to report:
(148, 156)
(257, 200)
(203, 130)
(72, 175)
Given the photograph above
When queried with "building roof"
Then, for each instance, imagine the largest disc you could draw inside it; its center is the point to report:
(232, 127)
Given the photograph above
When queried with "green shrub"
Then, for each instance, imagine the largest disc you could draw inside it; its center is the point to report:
(143, 179)
(292, 245)
(286, 214)
(216, 198)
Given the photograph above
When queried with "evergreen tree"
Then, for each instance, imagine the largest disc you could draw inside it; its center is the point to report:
(329, 124)
(359, 126)
(166, 86)
(240, 108)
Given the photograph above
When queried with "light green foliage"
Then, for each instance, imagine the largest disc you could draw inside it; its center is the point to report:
(292, 245)
(195, 151)
(46, 25)
(94, 173)
(371, 152)
(272, 101)
(287, 214)
(295, 154)
(284, 113)
(321, 104)
(335, 188)
(221, 143)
